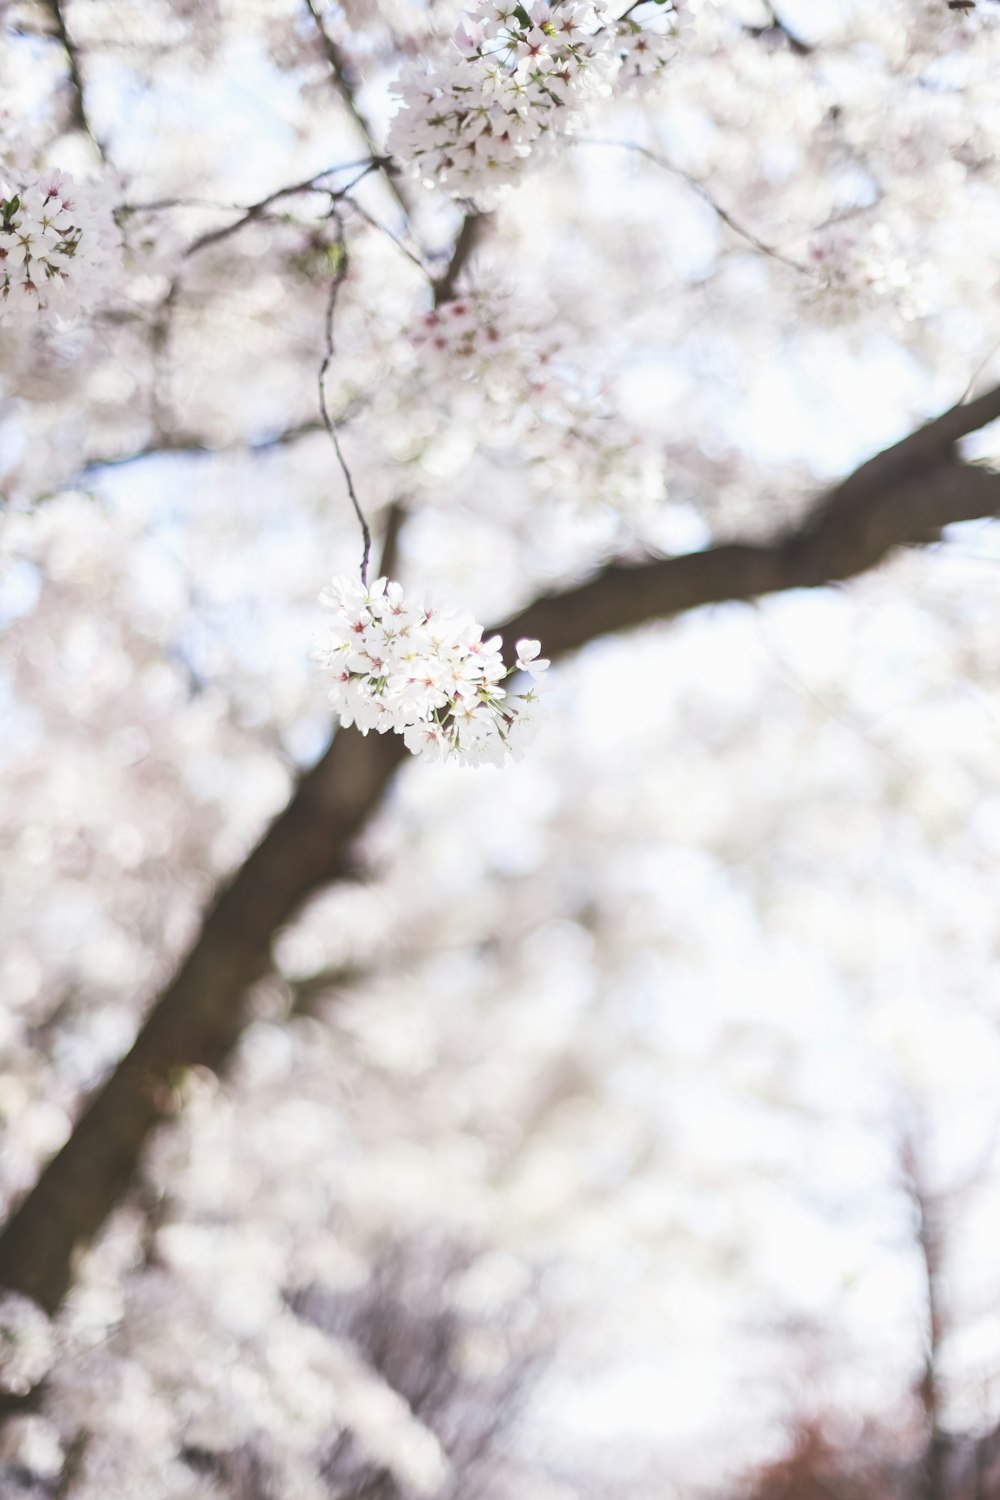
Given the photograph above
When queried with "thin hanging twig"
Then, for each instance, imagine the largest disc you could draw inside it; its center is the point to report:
(340, 276)
(256, 211)
(703, 193)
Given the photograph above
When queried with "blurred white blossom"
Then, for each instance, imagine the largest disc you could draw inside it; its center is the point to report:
(27, 1344)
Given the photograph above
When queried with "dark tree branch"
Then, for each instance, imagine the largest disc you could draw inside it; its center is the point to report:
(190, 445)
(316, 184)
(79, 118)
(843, 538)
(780, 29)
(905, 495)
(930, 1247)
(198, 1017)
(395, 520)
(345, 88)
(466, 242)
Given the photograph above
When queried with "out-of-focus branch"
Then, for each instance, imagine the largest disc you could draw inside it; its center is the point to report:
(79, 117)
(903, 496)
(722, 214)
(315, 184)
(466, 241)
(928, 1237)
(190, 445)
(198, 1017)
(777, 27)
(395, 520)
(308, 993)
(345, 89)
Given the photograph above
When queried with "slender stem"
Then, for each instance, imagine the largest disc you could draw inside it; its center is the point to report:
(328, 422)
(721, 213)
(315, 184)
(383, 229)
(311, 183)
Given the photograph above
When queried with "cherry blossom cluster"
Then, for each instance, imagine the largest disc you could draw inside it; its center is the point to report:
(426, 674)
(60, 249)
(646, 51)
(483, 341)
(514, 81)
(27, 1344)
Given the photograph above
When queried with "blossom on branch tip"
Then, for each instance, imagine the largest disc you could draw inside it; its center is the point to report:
(424, 673)
(529, 659)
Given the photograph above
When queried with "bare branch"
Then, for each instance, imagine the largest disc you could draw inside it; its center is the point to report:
(400, 245)
(79, 117)
(315, 184)
(466, 242)
(703, 193)
(781, 28)
(190, 445)
(345, 89)
(340, 276)
(929, 1239)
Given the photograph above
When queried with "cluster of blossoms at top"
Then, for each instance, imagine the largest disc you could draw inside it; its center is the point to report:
(60, 249)
(27, 1344)
(513, 83)
(426, 674)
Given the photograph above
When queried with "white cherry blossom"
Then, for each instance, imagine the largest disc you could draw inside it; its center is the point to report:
(60, 249)
(529, 658)
(424, 673)
(516, 79)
